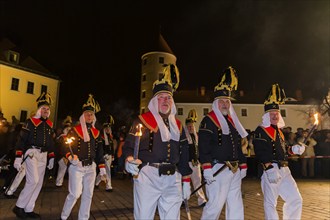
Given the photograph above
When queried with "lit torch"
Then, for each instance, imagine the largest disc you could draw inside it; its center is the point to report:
(69, 141)
(137, 135)
(312, 129)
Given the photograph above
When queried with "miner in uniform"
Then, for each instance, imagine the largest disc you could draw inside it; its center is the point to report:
(192, 137)
(220, 134)
(35, 145)
(62, 150)
(109, 147)
(159, 158)
(272, 153)
(87, 151)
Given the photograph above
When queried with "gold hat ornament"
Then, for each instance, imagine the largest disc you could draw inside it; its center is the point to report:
(67, 122)
(44, 99)
(227, 84)
(192, 116)
(91, 105)
(169, 81)
(109, 121)
(274, 98)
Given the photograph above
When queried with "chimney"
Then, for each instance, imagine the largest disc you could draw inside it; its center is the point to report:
(203, 90)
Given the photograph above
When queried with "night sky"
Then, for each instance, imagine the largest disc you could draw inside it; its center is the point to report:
(275, 41)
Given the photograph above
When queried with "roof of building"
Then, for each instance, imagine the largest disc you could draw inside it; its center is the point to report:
(26, 62)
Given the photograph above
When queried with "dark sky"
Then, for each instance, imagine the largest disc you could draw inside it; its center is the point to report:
(265, 41)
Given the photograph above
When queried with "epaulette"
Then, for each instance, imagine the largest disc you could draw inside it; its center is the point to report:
(78, 130)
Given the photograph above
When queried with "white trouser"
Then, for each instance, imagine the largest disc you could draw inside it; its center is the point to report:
(81, 183)
(225, 189)
(196, 179)
(289, 192)
(152, 190)
(108, 174)
(35, 172)
(18, 179)
(62, 167)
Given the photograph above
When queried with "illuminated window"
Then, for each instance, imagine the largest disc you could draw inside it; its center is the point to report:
(13, 57)
(30, 88)
(14, 84)
(244, 112)
(180, 111)
(205, 111)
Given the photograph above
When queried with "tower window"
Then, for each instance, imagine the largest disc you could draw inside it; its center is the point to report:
(161, 59)
(205, 111)
(283, 113)
(144, 77)
(180, 111)
(143, 95)
(244, 112)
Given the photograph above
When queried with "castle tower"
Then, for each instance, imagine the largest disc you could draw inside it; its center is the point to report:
(152, 69)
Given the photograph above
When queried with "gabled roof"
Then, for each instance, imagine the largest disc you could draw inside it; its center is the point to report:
(26, 62)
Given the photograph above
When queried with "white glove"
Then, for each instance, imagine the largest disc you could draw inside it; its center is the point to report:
(273, 175)
(74, 161)
(17, 163)
(102, 171)
(186, 190)
(106, 156)
(50, 163)
(298, 148)
(208, 176)
(243, 172)
(132, 166)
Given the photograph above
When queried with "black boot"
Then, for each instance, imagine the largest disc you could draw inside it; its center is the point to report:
(19, 212)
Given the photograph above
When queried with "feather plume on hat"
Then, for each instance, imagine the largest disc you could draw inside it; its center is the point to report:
(91, 105)
(169, 82)
(228, 83)
(44, 99)
(192, 116)
(275, 97)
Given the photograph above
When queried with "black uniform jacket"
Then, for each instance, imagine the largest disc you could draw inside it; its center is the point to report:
(92, 150)
(36, 132)
(269, 144)
(216, 146)
(153, 150)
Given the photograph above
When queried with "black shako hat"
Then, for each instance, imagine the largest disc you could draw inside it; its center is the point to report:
(109, 121)
(227, 84)
(91, 105)
(274, 98)
(44, 99)
(169, 82)
(192, 116)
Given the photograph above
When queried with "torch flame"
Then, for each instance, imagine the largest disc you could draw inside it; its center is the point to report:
(69, 140)
(139, 130)
(316, 119)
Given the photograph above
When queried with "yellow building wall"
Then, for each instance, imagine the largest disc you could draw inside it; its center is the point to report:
(12, 102)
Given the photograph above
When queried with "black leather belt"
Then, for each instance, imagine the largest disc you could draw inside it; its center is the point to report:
(163, 168)
(281, 163)
(86, 162)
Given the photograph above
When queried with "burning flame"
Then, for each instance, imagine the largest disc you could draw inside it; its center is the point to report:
(69, 140)
(139, 130)
(316, 119)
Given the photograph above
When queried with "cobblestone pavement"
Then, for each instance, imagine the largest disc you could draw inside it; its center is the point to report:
(119, 203)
